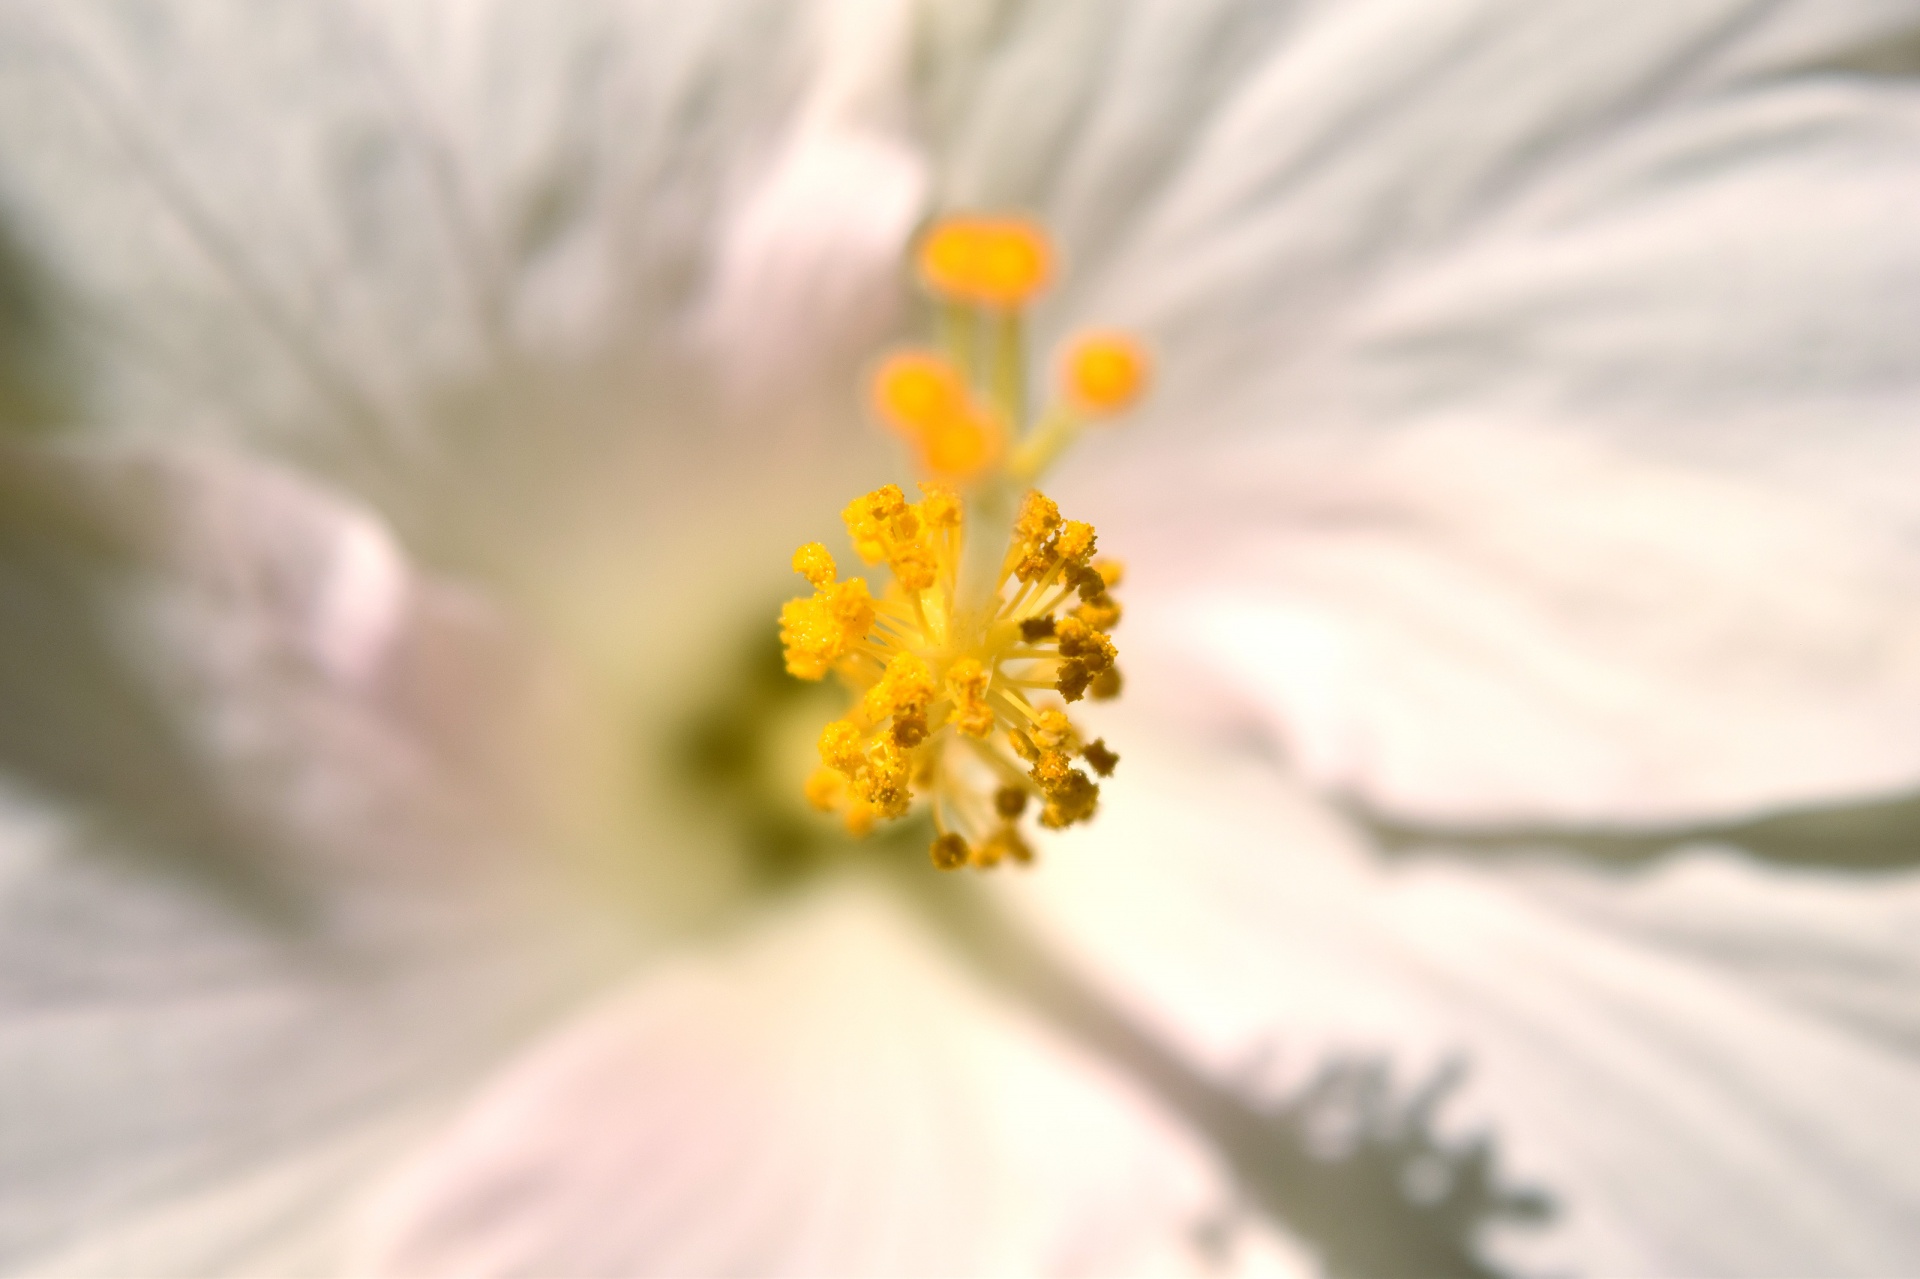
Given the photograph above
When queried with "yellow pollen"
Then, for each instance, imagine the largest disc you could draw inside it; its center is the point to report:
(1105, 373)
(813, 563)
(953, 703)
(818, 632)
(965, 659)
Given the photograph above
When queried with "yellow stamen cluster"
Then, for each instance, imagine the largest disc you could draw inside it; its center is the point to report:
(963, 675)
(954, 700)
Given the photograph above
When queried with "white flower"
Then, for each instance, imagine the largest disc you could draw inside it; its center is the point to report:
(435, 393)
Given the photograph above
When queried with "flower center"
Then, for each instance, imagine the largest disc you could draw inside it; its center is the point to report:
(963, 665)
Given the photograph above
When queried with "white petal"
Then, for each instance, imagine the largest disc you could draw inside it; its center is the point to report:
(809, 264)
(1534, 416)
(333, 226)
(823, 1095)
(1699, 1064)
(264, 895)
(1474, 621)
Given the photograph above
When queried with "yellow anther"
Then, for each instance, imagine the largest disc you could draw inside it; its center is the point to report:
(814, 563)
(941, 506)
(841, 748)
(1105, 372)
(861, 817)
(882, 781)
(915, 566)
(917, 391)
(867, 519)
(1111, 571)
(1010, 802)
(904, 693)
(1075, 542)
(810, 638)
(1052, 771)
(1099, 758)
(818, 632)
(1106, 685)
(1039, 518)
(1053, 731)
(1034, 534)
(995, 262)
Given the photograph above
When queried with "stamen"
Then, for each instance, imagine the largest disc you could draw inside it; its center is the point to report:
(956, 688)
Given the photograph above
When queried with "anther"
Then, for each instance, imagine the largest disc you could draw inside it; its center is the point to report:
(814, 563)
(1105, 373)
(992, 262)
(950, 852)
(917, 391)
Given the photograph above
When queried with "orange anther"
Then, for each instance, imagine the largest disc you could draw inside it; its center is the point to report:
(916, 391)
(1105, 372)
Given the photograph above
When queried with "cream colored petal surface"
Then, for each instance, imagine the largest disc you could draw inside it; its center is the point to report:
(823, 1094)
(1708, 1065)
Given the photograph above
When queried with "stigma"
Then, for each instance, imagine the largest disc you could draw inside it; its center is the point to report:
(996, 612)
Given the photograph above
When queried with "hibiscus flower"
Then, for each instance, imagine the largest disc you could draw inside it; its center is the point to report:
(411, 412)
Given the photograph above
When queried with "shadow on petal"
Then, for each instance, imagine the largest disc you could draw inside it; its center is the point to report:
(80, 722)
(1361, 1176)
(1876, 834)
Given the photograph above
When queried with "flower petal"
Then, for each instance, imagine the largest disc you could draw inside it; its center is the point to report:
(1474, 622)
(263, 897)
(1707, 1066)
(1534, 406)
(823, 1095)
(807, 270)
(455, 252)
